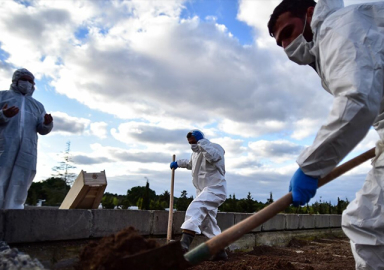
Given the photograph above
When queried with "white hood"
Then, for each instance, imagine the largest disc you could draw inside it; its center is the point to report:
(322, 10)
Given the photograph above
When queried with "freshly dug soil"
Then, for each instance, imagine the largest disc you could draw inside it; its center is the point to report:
(319, 254)
(331, 253)
(104, 253)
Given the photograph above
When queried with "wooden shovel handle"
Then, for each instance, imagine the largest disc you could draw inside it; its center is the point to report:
(233, 233)
(170, 215)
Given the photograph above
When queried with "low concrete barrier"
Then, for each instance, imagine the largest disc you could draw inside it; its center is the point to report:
(38, 225)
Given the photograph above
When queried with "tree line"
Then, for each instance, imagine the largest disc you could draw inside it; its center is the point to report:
(53, 191)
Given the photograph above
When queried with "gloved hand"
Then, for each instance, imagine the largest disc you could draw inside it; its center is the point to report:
(197, 134)
(303, 188)
(174, 165)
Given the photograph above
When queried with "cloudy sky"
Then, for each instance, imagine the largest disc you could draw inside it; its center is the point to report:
(126, 80)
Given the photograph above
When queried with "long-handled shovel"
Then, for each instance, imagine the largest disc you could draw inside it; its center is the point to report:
(171, 256)
(170, 215)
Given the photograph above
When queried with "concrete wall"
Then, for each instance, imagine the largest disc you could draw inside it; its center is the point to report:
(49, 224)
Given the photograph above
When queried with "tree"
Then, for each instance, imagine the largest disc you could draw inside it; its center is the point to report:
(63, 170)
(146, 200)
(164, 198)
(52, 190)
(56, 190)
(108, 201)
(183, 202)
(135, 193)
(270, 200)
(249, 204)
(341, 205)
(230, 204)
(35, 193)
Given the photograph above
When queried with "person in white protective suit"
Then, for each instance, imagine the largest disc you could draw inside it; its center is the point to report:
(345, 45)
(208, 176)
(21, 118)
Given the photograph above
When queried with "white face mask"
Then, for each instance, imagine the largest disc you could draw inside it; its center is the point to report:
(298, 50)
(25, 87)
(195, 147)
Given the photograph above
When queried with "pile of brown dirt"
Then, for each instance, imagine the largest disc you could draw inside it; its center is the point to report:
(104, 253)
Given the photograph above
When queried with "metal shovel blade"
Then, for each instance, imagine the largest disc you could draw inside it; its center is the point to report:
(167, 257)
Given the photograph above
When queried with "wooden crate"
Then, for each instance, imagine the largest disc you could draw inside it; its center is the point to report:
(86, 192)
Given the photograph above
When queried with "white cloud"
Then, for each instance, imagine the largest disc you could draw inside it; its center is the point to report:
(252, 129)
(136, 132)
(99, 129)
(305, 127)
(256, 14)
(277, 151)
(63, 123)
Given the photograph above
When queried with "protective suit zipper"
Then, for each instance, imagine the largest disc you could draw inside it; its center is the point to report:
(22, 111)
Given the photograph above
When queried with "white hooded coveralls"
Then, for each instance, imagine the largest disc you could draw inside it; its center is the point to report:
(349, 49)
(18, 143)
(208, 176)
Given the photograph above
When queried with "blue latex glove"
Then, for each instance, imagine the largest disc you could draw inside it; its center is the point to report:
(173, 165)
(303, 188)
(198, 135)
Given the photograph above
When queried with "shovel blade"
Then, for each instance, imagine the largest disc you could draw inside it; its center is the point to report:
(167, 257)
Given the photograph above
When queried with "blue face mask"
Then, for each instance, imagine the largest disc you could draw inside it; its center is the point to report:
(25, 87)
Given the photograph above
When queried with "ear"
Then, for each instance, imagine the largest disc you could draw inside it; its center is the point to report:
(310, 11)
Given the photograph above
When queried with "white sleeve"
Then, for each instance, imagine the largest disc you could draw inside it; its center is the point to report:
(3, 118)
(210, 152)
(353, 75)
(185, 163)
(43, 129)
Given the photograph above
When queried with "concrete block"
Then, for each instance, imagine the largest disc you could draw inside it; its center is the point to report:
(245, 243)
(178, 220)
(321, 221)
(22, 226)
(160, 222)
(274, 238)
(106, 222)
(277, 223)
(307, 222)
(292, 221)
(241, 216)
(335, 221)
(225, 220)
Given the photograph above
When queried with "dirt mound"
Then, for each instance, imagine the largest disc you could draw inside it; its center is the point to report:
(104, 253)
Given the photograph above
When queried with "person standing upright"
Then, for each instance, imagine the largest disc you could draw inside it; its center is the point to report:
(21, 118)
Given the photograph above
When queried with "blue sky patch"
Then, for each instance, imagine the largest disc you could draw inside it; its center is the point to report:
(225, 13)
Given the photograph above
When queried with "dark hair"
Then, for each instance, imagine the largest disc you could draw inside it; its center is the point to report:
(189, 135)
(298, 8)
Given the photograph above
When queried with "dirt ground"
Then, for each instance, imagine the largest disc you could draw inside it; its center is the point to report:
(319, 254)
